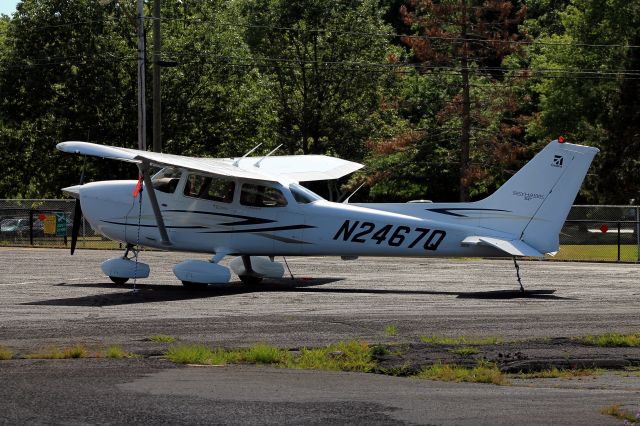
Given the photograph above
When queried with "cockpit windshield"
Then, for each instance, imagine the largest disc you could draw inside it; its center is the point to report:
(166, 180)
(303, 195)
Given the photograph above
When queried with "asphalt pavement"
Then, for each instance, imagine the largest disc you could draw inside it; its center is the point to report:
(50, 298)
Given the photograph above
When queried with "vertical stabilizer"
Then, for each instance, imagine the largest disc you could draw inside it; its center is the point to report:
(537, 199)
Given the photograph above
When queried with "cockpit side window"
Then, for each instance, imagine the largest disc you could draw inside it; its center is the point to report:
(209, 188)
(261, 196)
(166, 180)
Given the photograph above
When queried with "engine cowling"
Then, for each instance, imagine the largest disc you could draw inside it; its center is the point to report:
(201, 272)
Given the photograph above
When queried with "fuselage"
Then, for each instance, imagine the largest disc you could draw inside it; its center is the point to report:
(210, 215)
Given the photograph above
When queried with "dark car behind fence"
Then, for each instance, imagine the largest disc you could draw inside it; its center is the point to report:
(591, 233)
(45, 223)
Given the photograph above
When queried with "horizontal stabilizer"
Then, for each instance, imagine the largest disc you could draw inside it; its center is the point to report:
(510, 247)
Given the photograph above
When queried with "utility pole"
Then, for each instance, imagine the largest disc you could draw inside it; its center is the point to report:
(142, 113)
(157, 103)
(466, 108)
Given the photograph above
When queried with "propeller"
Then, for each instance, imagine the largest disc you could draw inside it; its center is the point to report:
(77, 214)
(77, 219)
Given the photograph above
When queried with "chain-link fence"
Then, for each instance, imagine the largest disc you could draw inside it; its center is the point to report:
(601, 233)
(45, 223)
(592, 233)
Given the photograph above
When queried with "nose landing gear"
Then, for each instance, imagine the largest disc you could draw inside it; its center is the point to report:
(121, 269)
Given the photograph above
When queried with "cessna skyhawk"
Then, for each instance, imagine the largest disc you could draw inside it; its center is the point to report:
(254, 208)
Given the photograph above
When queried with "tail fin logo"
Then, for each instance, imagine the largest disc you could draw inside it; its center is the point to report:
(557, 161)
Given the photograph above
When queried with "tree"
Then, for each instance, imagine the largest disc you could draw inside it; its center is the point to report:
(325, 66)
(591, 91)
(471, 39)
(63, 76)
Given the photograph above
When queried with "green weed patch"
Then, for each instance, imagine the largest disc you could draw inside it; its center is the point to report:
(483, 372)
(612, 340)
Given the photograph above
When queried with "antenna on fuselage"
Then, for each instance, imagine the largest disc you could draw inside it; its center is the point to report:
(235, 163)
(346, 200)
(257, 164)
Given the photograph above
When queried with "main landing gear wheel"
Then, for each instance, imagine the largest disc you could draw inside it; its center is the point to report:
(119, 280)
(189, 285)
(250, 279)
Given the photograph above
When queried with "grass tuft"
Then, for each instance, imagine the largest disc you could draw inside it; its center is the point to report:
(196, 354)
(615, 411)
(612, 340)
(465, 351)
(556, 373)
(116, 352)
(390, 330)
(483, 372)
(264, 354)
(379, 350)
(5, 353)
(76, 351)
(346, 356)
(161, 338)
(444, 340)
(342, 356)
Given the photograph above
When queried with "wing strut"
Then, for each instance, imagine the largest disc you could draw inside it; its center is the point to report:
(144, 171)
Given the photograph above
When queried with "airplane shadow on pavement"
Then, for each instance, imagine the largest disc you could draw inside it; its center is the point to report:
(149, 293)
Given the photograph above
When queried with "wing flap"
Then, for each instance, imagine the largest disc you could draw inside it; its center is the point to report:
(511, 247)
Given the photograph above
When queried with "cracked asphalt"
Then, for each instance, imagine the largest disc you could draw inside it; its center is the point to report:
(48, 298)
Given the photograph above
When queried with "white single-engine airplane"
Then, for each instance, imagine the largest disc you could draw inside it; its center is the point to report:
(254, 208)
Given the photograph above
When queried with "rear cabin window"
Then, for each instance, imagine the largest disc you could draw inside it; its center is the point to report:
(209, 188)
(166, 180)
(261, 196)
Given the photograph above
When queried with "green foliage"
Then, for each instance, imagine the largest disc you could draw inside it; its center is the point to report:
(319, 77)
(444, 340)
(264, 354)
(161, 338)
(75, 351)
(556, 373)
(116, 352)
(612, 340)
(325, 102)
(5, 353)
(197, 354)
(616, 411)
(482, 373)
(390, 330)
(465, 351)
(590, 100)
(345, 356)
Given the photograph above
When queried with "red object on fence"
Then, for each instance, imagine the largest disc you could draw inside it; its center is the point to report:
(42, 217)
(604, 228)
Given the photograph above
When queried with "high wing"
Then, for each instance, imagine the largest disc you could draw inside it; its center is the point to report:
(299, 168)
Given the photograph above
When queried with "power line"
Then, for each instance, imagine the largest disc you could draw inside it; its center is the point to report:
(394, 35)
(344, 32)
